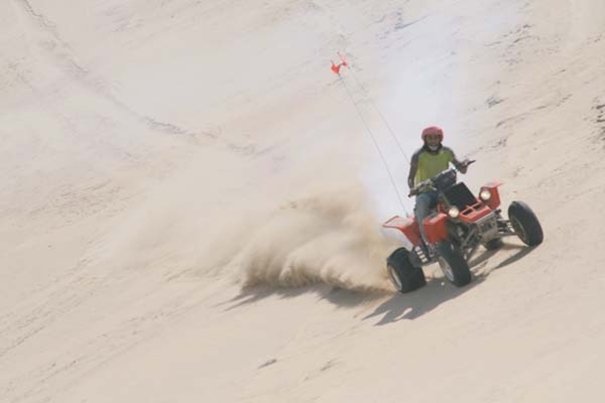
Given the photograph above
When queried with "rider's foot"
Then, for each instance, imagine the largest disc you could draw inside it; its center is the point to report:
(430, 251)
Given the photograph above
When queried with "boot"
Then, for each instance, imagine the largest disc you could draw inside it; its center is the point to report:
(431, 251)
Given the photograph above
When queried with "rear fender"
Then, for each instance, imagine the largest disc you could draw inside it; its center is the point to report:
(492, 187)
(408, 226)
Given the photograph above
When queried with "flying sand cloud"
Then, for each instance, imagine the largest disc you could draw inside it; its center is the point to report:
(329, 237)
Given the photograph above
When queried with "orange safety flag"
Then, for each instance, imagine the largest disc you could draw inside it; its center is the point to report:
(336, 67)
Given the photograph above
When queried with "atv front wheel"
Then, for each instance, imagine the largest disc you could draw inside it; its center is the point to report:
(405, 276)
(454, 266)
(525, 223)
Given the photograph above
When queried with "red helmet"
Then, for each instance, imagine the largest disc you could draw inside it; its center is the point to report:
(432, 130)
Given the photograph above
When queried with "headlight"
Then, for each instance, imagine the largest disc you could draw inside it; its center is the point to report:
(485, 195)
(453, 212)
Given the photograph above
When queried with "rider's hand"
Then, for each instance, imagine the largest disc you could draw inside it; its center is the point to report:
(463, 166)
(411, 186)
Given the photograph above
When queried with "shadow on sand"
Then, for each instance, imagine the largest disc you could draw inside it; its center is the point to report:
(393, 306)
(438, 290)
(480, 267)
(338, 296)
(417, 303)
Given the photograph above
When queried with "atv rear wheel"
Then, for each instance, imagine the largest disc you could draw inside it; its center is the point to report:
(525, 223)
(454, 266)
(405, 276)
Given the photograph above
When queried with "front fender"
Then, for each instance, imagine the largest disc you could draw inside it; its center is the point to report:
(492, 187)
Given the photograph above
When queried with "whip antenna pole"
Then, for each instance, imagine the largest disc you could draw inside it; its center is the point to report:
(393, 135)
(336, 69)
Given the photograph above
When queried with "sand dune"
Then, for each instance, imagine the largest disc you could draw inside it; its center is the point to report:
(192, 200)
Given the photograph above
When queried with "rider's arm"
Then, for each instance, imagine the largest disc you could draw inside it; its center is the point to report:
(461, 166)
(412, 175)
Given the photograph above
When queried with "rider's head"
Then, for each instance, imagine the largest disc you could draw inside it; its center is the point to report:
(432, 137)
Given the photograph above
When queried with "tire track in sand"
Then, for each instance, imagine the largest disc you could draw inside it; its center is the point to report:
(61, 53)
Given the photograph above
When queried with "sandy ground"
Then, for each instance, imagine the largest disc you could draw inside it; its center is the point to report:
(192, 201)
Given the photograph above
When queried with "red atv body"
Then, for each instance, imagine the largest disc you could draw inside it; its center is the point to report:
(460, 224)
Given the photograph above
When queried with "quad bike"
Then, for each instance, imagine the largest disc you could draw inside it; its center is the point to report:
(460, 224)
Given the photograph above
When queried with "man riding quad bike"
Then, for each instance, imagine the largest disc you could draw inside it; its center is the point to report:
(456, 225)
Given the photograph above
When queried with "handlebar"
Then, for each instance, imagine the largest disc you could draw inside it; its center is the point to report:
(416, 189)
(429, 182)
